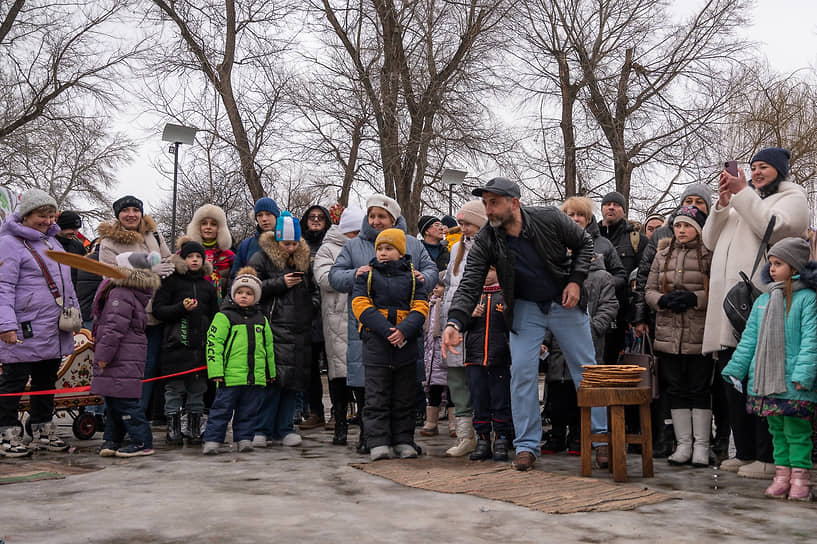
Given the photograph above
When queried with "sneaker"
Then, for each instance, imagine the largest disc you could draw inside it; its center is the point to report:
(554, 443)
(312, 422)
(259, 441)
(134, 450)
(45, 438)
(405, 451)
(733, 464)
(292, 439)
(524, 461)
(757, 470)
(108, 449)
(245, 446)
(210, 448)
(380, 452)
(11, 445)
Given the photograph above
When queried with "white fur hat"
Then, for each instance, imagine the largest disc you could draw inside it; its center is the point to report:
(223, 238)
(351, 220)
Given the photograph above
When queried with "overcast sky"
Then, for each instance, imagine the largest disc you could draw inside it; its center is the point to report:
(786, 31)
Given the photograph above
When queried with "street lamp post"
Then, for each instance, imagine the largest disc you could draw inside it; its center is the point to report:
(452, 177)
(177, 135)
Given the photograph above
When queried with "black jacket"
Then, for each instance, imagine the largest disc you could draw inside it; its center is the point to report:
(552, 234)
(486, 342)
(382, 300)
(72, 245)
(87, 284)
(290, 310)
(612, 262)
(443, 257)
(185, 333)
(642, 312)
(621, 238)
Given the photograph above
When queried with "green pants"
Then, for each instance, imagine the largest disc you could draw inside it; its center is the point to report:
(460, 393)
(791, 437)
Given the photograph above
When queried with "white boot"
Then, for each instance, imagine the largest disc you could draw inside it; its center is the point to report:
(682, 423)
(702, 430)
(466, 442)
(45, 437)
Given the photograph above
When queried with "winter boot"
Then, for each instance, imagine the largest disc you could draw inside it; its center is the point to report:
(45, 437)
(501, 447)
(665, 442)
(556, 441)
(314, 421)
(574, 440)
(465, 439)
(682, 423)
(452, 424)
(800, 485)
(362, 448)
(405, 451)
(194, 428)
(340, 431)
(483, 449)
(174, 429)
(432, 417)
(702, 430)
(780, 485)
(11, 445)
(211, 448)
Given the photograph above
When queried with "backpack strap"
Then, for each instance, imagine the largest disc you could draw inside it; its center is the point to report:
(413, 284)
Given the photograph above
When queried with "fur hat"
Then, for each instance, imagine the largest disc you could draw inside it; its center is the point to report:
(127, 201)
(351, 220)
(208, 211)
(33, 199)
(138, 259)
(777, 157)
(614, 196)
(247, 277)
(473, 212)
(425, 223)
(287, 228)
(394, 237)
(792, 251)
(692, 216)
(266, 204)
(388, 204)
(191, 246)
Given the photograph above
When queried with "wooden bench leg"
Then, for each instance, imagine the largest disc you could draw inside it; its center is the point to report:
(646, 441)
(587, 448)
(618, 448)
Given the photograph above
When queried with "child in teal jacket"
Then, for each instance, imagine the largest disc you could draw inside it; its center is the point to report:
(778, 351)
(238, 330)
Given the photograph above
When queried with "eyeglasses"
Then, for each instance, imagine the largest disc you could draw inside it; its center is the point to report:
(315, 217)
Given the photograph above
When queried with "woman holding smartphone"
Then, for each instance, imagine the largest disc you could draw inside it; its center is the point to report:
(733, 233)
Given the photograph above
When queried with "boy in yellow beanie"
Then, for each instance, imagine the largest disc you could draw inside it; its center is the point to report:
(391, 306)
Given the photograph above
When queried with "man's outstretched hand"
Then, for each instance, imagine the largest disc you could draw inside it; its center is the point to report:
(451, 339)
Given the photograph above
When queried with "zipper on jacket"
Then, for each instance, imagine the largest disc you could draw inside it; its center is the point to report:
(233, 334)
(250, 354)
(487, 328)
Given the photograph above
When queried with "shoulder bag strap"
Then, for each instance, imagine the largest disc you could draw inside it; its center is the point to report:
(51, 285)
(764, 244)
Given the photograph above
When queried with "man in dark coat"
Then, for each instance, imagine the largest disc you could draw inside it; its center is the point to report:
(433, 237)
(70, 223)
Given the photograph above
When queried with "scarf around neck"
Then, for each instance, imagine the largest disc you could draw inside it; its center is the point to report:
(770, 357)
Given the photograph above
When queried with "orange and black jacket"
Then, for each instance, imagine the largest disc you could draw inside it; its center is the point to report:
(486, 340)
(389, 297)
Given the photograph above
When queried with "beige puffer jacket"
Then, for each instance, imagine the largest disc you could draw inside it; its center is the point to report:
(680, 333)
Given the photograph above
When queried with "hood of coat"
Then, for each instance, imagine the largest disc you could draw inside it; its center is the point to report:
(597, 263)
(13, 225)
(182, 268)
(279, 258)
(115, 232)
(335, 237)
(138, 279)
(593, 227)
(224, 239)
(315, 236)
(367, 232)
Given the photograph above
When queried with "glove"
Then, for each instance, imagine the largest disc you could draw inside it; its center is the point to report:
(163, 269)
(681, 301)
(666, 300)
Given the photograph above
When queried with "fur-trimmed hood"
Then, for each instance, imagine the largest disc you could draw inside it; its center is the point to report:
(224, 239)
(182, 269)
(115, 232)
(138, 278)
(277, 256)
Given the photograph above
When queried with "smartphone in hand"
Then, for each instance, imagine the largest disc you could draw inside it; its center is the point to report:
(731, 168)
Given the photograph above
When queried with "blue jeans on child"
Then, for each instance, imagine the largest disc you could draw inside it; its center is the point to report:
(239, 404)
(275, 415)
(126, 416)
(571, 328)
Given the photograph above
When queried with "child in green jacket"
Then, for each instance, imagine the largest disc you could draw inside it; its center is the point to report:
(238, 329)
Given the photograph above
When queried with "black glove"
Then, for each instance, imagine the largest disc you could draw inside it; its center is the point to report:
(681, 301)
(666, 300)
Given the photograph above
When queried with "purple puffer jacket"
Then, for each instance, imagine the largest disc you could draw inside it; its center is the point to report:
(119, 332)
(25, 297)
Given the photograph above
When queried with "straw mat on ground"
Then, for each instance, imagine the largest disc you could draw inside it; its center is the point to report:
(537, 490)
(23, 470)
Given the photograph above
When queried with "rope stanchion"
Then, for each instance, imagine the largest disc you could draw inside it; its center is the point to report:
(86, 388)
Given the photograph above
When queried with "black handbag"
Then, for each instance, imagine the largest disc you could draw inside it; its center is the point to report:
(646, 359)
(738, 301)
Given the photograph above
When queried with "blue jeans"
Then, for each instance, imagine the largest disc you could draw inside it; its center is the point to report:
(154, 336)
(275, 415)
(571, 328)
(239, 403)
(125, 416)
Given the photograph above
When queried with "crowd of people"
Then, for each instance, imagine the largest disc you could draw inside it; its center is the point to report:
(460, 320)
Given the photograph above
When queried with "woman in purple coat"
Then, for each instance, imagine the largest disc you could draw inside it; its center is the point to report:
(32, 344)
(121, 346)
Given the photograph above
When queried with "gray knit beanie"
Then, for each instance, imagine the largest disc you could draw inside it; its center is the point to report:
(33, 199)
(792, 251)
(701, 190)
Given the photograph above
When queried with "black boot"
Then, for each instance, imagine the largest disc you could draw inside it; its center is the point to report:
(483, 449)
(341, 425)
(174, 429)
(574, 440)
(501, 447)
(665, 444)
(362, 448)
(555, 442)
(194, 428)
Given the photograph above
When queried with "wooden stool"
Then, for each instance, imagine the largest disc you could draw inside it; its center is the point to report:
(615, 399)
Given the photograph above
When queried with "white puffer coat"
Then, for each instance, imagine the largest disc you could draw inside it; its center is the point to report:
(333, 304)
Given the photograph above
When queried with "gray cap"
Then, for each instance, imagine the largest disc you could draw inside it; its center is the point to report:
(614, 196)
(33, 199)
(499, 186)
(792, 251)
(701, 190)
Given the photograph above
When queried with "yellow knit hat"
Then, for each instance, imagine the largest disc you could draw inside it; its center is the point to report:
(394, 237)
